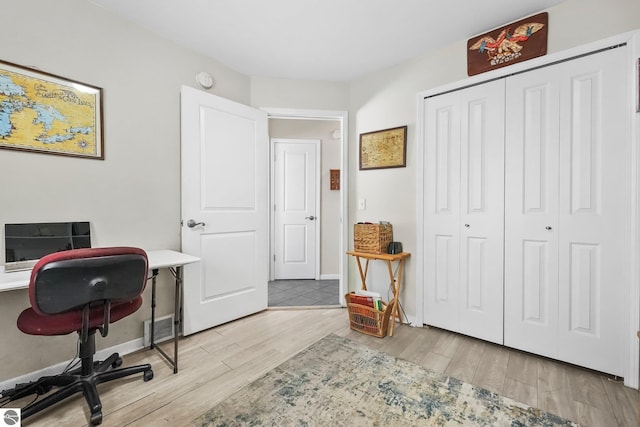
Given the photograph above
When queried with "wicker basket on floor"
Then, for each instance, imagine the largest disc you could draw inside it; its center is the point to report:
(368, 320)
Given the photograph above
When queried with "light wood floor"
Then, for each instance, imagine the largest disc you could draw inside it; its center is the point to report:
(216, 363)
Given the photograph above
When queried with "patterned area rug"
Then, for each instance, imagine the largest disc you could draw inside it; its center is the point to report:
(338, 382)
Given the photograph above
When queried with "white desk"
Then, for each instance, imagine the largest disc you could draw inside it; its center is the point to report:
(158, 259)
(14, 280)
(174, 261)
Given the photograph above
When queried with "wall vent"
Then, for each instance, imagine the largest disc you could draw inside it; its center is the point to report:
(163, 330)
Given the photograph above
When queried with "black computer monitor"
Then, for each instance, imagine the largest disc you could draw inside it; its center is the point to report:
(32, 241)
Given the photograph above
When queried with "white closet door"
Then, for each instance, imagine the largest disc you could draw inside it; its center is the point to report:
(442, 210)
(464, 210)
(566, 211)
(593, 222)
(531, 212)
(482, 211)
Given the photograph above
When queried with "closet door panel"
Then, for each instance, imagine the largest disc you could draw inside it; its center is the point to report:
(593, 218)
(531, 212)
(482, 211)
(442, 210)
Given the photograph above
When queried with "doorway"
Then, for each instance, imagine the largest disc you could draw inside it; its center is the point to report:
(296, 189)
(330, 128)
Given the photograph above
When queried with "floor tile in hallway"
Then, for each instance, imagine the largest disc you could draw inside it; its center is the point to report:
(303, 293)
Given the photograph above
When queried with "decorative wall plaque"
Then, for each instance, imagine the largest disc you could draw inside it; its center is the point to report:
(515, 42)
(334, 176)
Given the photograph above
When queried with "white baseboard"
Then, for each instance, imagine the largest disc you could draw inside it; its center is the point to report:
(329, 276)
(122, 349)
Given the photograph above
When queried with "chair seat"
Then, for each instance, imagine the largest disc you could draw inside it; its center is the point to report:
(33, 323)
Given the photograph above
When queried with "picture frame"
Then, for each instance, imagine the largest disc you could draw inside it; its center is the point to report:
(383, 149)
(45, 113)
(334, 179)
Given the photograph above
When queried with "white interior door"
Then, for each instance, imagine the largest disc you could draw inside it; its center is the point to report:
(224, 149)
(594, 218)
(482, 211)
(567, 221)
(464, 210)
(442, 210)
(531, 212)
(296, 206)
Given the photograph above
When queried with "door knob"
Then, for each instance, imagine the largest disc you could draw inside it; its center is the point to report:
(466, 225)
(191, 223)
(547, 228)
(310, 217)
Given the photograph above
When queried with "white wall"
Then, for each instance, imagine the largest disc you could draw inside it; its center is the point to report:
(329, 213)
(133, 196)
(388, 98)
(268, 92)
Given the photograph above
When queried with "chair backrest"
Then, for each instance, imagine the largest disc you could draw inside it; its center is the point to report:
(69, 280)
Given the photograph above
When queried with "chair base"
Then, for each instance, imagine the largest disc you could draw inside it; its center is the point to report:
(77, 382)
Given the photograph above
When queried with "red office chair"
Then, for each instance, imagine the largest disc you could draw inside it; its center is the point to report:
(82, 291)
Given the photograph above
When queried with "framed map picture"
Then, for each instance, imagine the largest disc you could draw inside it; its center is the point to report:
(44, 113)
(383, 149)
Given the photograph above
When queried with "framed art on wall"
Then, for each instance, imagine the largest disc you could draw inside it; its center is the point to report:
(45, 113)
(383, 149)
(334, 179)
(509, 44)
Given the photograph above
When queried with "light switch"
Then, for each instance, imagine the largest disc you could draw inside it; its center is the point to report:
(362, 204)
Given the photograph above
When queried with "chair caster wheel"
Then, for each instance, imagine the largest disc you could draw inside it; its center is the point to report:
(148, 375)
(44, 389)
(116, 363)
(96, 418)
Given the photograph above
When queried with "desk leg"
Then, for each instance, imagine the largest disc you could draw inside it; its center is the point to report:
(177, 316)
(177, 274)
(154, 274)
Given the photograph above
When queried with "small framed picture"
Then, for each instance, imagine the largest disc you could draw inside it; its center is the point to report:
(384, 149)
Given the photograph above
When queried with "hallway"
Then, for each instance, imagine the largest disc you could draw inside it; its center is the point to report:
(303, 293)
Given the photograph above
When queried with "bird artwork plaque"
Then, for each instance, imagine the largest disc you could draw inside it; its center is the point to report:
(512, 43)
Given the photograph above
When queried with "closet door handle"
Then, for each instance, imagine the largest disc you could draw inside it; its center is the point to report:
(467, 225)
(547, 227)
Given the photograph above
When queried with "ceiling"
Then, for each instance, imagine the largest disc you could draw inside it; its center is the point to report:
(329, 40)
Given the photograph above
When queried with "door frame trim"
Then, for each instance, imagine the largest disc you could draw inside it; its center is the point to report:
(342, 117)
(272, 191)
(631, 357)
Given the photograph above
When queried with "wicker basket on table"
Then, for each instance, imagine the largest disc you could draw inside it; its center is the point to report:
(368, 320)
(372, 238)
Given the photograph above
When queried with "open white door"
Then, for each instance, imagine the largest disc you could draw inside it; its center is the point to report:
(224, 148)
(296, 234)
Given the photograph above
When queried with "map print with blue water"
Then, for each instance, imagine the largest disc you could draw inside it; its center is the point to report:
(43, 115)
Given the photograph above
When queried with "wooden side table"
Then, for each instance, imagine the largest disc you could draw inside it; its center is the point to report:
(396, 280)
